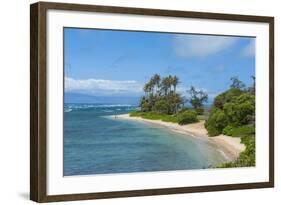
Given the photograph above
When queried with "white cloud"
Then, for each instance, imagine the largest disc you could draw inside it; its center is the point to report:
(201, 45)
(249, 50)
(102, 87)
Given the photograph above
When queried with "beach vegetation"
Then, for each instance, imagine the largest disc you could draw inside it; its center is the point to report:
(241, 110)
(182, 118)
(232, 111)
(161, 95)
(161, 101)
(154, 116)
(186, 117)
(247, 135)
(247, 157)
(242, 131)
(197, 98)
(216, 122)
(225, 97)
(233, 114)
(161, 106)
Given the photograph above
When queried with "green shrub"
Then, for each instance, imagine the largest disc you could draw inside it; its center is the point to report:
(248, 140)
(199, 111)
(245, 130)
(232, 93)
(213, 131)
(240, 110)
(187, 117)
(227, 130)
(216, 123)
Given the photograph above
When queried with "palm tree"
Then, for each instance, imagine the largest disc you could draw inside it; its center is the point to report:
(175, 82)
(165, 84)
(156, 79)
(161, 93)
(147, 88)
(170, 81)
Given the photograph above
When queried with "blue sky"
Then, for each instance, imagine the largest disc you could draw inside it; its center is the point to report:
(118, 63)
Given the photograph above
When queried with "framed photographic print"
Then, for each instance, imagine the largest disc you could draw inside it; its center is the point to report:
(134, 102)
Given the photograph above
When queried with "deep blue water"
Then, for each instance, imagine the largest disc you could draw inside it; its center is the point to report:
(95, 143)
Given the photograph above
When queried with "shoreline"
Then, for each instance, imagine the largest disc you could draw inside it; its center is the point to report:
(229, 147)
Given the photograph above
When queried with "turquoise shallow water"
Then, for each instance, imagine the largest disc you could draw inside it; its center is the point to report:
(95, 143)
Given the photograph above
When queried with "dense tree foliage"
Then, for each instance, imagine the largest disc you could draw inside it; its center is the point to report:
(161, 96)
(162, 101)
(233, 114)
(241, 110)
(234, 107)
(216, 122)
(225, 97)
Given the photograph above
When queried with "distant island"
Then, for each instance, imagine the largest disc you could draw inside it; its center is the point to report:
(229, 123)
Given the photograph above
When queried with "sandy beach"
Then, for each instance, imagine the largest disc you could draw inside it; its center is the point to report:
(229, 147)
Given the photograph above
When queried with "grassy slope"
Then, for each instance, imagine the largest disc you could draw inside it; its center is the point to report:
(155, 116)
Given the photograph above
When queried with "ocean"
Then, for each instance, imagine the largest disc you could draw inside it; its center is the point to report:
(97, 143)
